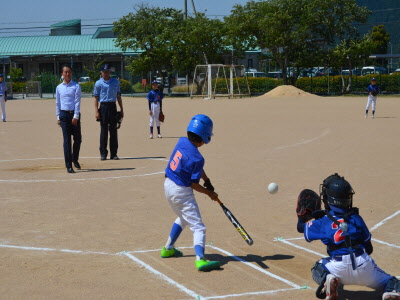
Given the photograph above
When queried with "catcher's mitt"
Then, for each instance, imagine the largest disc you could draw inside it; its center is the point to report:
(374, 93)
(119, 119)
(307, 202)
(161, 117)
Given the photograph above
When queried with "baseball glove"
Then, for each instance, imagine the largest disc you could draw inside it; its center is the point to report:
(307, 202)
(119, 119)
(161, 117)
(374, 93)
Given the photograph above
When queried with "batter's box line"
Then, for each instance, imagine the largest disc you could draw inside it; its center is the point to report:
(196, 295)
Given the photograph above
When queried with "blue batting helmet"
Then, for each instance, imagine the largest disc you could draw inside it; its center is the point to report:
(202, 126)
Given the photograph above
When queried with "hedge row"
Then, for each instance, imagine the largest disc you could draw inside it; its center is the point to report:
(389, 84)
(126, 87)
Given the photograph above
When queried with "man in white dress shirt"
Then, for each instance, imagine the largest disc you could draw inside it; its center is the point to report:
(68, 103)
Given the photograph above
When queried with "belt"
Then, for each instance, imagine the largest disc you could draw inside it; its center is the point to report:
(107, 103)
(357, 253)
(69, 111)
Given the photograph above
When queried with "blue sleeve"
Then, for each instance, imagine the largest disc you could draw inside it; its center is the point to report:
(97, 89)
(312, 231)
(119, 87)
(58, 102)
(197, 171)
(150, 96)
(366, 234)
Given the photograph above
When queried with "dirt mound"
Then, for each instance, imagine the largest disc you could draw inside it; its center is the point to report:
(286, 91)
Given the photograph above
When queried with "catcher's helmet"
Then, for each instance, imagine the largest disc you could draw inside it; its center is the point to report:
(202, 126)
(337, 191)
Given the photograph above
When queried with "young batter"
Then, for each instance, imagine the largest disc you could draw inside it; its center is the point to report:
(373, 91)
(155, 97)
(348, 242)
(183, 174)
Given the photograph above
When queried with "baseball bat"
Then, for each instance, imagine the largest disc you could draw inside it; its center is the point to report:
(236, 223)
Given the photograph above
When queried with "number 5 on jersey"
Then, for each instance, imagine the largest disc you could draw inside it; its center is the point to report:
(175, 161)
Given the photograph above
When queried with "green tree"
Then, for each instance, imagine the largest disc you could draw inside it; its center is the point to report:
(294, 30)
(92, 70)
(351, 53)
(16, 74)
(166, 40)
(381, 38)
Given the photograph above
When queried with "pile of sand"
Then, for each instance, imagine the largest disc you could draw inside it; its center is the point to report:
(286, 91)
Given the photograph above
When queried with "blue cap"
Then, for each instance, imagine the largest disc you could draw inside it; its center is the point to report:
(1, 75)
(373, 79)
(155, 81)
(105, 67)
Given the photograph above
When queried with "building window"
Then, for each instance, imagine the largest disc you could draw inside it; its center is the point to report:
(250, 63)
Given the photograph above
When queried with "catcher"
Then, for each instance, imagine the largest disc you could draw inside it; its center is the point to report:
(373, 91)
(155, 97)
(347, 238)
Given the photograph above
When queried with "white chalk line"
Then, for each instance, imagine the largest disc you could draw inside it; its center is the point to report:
(385, 220)
(77, 179)
(58, 158)
(250, 294)
(285, 241)
(53, 249)
(80, 179)
(257, 268)
(163, 276)
(384, 243)
(303, 142)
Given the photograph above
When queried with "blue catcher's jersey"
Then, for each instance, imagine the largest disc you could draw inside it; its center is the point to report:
(331, 235)
(185, 164)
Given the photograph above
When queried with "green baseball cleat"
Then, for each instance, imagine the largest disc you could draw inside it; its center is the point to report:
(206, 265)
(165, 253)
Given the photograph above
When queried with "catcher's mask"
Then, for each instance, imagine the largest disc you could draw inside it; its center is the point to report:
(202, 126)
(336, 191)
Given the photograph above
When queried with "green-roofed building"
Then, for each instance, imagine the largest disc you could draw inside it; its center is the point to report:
(64, 44)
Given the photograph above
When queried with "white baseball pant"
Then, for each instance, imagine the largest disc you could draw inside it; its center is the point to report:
(155, 112)
(367, 272)
(371, 102)
(183, 203)
(3, 108)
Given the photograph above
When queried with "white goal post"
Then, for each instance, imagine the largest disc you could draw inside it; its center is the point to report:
(217, 80)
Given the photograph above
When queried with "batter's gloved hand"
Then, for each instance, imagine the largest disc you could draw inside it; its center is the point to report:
(308, 201)
(207, 184)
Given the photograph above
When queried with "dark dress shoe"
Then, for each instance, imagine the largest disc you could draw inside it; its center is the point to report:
(77, 165)
(70, 170)
(115, 157)
(103, 158)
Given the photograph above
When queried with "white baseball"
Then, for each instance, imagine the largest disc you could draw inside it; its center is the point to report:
(272, 187)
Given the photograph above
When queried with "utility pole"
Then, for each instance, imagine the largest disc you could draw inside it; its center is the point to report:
(186, 10)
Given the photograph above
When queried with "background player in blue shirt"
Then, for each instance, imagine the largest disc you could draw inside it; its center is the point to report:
(183, 173)
(155, 97)
(348, 242)
(373, 91)
(3, 97)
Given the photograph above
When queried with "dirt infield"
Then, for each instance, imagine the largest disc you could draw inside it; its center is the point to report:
(91, 235)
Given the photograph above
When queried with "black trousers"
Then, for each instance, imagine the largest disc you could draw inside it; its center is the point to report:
(108, 124)
(69, 130)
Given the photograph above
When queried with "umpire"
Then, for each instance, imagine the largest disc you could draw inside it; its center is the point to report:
(68, 103)
(107, 91)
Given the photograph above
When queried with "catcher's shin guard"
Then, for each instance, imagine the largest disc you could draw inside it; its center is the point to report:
(319, 274)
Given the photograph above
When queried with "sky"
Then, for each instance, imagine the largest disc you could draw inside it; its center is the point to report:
(26, 14)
